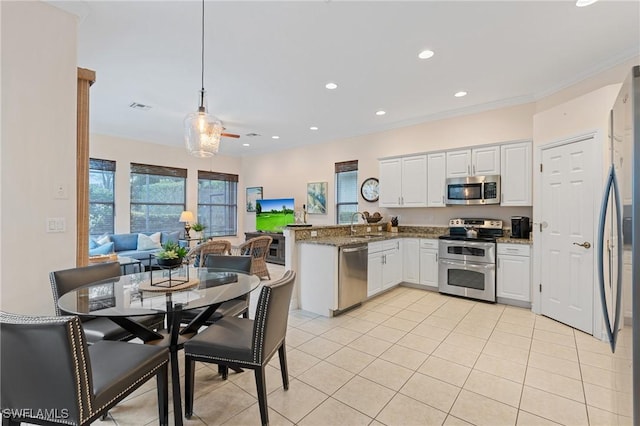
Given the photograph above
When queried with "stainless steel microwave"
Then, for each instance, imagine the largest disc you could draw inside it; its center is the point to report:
(474, 190)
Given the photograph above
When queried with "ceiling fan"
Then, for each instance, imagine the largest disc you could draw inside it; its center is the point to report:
(229, 135)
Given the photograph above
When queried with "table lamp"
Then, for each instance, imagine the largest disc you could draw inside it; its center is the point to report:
(186, 217)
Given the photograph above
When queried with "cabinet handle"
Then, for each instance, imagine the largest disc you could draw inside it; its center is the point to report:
(398, 200)
(498, 263)
(443, 199)
(474, 169)
(436, 257)
(468, 170)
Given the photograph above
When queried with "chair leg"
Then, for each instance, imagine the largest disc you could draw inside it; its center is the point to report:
(162, 384)
(262, 395)
(189, 382)
(104, 416)
(282, 354)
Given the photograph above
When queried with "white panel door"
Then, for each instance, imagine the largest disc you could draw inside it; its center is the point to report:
(459, 163)
(567, 217)
(414, 181)
(390, 182)
(436, 179)
(485, 161)
(516, 174)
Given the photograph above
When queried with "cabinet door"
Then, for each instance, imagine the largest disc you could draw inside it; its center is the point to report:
(626, 290)
(391, 268)
(516, 174)
(411, 260)
(485, 161)
(390, 182)
(414, 181)
(436, 179)
(514, 278)
(459, 163)
(429, 267)
(374, 274)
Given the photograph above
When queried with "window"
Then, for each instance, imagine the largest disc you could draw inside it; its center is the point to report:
(218, 203)
(346, 191)
(157, 198)
(101, 197)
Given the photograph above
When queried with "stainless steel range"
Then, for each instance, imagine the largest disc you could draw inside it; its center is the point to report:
(467, 258)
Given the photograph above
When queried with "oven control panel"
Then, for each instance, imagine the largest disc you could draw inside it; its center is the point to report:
(476, 223)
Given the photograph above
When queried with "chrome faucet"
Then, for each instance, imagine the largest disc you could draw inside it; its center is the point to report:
(353, 228)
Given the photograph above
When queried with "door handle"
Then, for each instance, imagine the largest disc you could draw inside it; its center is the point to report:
(586, 244)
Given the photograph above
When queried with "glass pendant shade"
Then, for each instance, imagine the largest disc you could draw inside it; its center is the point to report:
(202, 131)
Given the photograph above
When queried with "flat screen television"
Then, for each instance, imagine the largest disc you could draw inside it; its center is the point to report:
(272, 215)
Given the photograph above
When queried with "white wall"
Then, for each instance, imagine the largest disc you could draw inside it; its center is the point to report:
(126, 151)
(286, 173)
(38, 151)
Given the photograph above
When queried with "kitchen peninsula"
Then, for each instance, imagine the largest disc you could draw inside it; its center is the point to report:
(408, 257)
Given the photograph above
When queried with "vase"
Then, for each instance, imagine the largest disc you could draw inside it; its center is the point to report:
(169, 263)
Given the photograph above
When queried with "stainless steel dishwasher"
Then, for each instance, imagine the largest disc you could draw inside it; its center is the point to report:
(352, 276)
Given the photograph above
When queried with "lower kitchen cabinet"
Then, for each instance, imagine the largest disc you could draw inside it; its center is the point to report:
(384, 266)
(514, 273)
(429, 263)
(626, 291)
(411, 260)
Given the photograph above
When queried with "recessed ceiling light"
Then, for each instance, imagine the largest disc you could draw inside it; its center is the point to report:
(381, 112)
(460, 94)
(313, 128)
(583, 3)
(275, 137)
(246, 144)
(425, 54)
(331, 86)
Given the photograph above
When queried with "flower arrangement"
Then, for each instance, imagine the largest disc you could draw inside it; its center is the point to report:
(198, 227)
(172, 250)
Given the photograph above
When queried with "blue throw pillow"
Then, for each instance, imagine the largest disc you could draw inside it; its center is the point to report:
(123, 242)
(93, 244)
(103, 249)
(170, 236)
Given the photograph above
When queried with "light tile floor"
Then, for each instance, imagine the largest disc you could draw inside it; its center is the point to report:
(413, 357)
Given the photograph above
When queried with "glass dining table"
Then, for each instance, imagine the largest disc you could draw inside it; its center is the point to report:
(169, 291)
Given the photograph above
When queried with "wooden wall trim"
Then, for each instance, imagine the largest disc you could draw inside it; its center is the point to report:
(86, 78)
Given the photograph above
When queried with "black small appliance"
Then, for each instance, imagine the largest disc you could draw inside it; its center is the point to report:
(520, 227)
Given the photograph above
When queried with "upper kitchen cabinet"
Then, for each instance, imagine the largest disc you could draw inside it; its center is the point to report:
(515, 179)
(436, 179)
(403, 181)
(474, 162)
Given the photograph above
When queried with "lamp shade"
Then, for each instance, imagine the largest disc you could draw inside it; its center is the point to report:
(186, 216)
(202, 131)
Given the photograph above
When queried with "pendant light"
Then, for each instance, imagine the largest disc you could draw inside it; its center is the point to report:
(202, 131)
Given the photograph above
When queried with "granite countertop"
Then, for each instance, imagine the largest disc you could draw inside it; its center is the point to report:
(346, 240)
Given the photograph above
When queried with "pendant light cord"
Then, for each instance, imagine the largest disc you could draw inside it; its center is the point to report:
(202, 61)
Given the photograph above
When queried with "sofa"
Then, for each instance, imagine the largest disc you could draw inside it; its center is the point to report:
(138, 246)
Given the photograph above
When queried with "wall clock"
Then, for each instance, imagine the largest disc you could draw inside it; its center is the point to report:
(370, 189)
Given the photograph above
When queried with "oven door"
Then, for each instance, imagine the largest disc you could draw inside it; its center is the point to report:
(474, 280)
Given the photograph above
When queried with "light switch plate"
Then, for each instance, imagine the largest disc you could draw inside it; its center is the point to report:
(56, 224)
(314, 233)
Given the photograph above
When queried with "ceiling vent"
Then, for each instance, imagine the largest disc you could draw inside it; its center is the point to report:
(252, 135)
(136, 105)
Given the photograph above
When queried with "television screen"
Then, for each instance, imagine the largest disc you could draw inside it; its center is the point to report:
(274, 214)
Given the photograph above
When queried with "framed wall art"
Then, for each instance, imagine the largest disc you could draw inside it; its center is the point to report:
(253, 193)
(317, 198)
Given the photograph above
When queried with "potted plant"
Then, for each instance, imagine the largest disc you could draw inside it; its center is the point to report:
(197, 229)
(171, 254)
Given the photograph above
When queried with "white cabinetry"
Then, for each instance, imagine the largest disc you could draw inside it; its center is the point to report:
(474, 162)
(516, 174)
(403, 182)
(436, 179)
(318, 278)
(514, 273)
(385, 266)
(411, 260)
(429, 263)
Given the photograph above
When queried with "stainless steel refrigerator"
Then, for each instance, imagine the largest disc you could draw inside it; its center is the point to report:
(619, 248)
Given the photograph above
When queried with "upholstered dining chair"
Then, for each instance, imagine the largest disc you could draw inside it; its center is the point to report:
(244, 343)
(199, 252)
(258, 249)
(230, 308)
(51, 376)
(95, 328)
